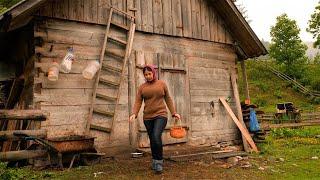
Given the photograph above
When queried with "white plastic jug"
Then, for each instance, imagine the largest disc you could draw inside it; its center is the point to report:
(53, 72)
(66, 63)
(91, 69)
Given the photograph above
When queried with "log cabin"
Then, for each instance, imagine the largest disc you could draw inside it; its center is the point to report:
(195, 45)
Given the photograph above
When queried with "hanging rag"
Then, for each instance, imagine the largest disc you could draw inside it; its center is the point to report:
(254, 124)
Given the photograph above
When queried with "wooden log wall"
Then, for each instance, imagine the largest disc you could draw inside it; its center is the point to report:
(184, 18)
(208, 68)
(69, 98)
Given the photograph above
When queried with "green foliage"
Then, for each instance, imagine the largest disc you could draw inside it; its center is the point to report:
(5, 4)
(314, 25)
(286, 46)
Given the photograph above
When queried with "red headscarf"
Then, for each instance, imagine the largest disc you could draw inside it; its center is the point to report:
(153, 70)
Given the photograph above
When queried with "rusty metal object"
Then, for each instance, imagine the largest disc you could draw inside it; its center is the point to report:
(72, 143)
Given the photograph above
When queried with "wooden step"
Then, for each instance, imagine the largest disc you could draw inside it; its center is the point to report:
(114, 53)
(122, 26)
(117, 40)
(108, 82)
(104, 96)
(105, 66)
(103, 112)
(100, 128)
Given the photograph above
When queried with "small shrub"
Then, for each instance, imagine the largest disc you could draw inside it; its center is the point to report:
(277, 93)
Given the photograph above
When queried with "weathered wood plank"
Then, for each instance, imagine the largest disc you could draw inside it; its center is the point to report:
(186, 18)
(213, 24)
(166, 139)
(46, 10)
(204, 14)
(221, 30)
(243, 130)
(167, 17)
(157, 16)
(91, 11)
(60, 9)
(146, 15)
(138, 19)
(103, 10)
(176, 18)
(209, 84)
(195, 19)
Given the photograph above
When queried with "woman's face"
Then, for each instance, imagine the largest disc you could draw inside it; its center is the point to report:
(148, 75)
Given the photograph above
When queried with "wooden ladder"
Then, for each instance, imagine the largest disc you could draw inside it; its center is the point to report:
(115, 65)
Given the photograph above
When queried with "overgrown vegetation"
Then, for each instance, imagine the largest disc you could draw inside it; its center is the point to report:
(266, 89)
(5, 4)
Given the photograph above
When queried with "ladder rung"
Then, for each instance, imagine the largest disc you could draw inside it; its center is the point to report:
(106, 81)
(123, 12)
(103, 112)
(114, 53)
(105, 66)
(120, 25)
(106, 97)
(100, 128)
(118, 40)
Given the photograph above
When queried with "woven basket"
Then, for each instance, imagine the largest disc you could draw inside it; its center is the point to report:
(177, 131)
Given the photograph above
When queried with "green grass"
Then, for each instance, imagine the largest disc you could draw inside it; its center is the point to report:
(266, 89)
(287, 154)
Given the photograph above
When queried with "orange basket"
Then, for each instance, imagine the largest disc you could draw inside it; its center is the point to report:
(177, 131)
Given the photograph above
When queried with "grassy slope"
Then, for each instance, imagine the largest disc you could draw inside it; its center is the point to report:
(266, 89)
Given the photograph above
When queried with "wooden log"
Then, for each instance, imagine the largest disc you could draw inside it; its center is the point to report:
(243, 130)
(23, 115)
(20, 155)
(4, 135)
(290, 125)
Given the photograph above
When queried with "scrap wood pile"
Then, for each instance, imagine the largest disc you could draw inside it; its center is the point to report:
(250, 112)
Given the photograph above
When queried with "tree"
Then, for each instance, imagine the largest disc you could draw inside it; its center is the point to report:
(286, 46)
(314, 26)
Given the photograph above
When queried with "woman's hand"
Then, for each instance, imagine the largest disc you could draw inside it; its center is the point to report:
(132, 117)
(177, 116)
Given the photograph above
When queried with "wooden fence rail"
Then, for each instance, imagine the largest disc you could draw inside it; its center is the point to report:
(31, 114)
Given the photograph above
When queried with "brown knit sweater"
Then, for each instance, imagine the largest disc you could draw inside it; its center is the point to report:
(153, 95)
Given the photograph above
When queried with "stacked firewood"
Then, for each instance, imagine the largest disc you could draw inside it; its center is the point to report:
(258, 136)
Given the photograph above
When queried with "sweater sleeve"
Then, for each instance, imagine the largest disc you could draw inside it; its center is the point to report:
(138, 102)
(169, 100)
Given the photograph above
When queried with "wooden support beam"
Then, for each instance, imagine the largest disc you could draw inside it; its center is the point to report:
(20, 155)
(245, 79)
(5, 135)
(23, 115)
(243, 130)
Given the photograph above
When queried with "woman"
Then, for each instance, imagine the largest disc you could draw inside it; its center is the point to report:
(153, 92)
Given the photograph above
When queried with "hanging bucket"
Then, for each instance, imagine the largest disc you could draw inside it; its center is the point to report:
(53, 72)
(66, 63)
(91, 70)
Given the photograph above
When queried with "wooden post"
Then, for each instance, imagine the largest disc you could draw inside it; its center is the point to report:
(31, 114)
(245, 80)
(4, 135)
(243, 130)
(239, 111)
(131, 96)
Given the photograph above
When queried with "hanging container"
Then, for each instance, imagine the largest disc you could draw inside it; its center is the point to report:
(53, 72)
(91, 69)
(66, 63)
(177, 131)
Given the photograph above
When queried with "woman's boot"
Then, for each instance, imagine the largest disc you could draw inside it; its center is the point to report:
(153, 165)
(158, 166)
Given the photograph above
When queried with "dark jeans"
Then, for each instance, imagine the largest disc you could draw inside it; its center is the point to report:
(155, 128)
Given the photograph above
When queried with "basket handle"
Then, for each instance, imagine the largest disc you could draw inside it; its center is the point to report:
(179, 122)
